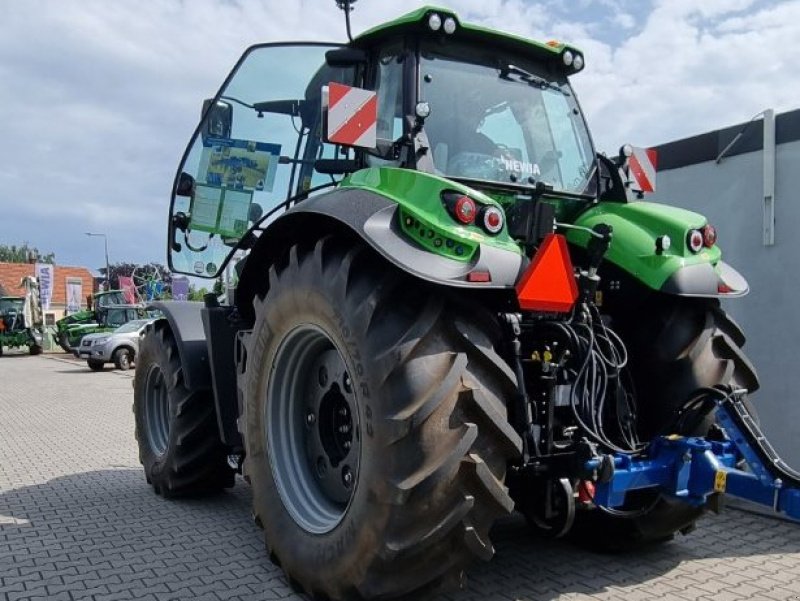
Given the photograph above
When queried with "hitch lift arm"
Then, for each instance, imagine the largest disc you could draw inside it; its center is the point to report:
(692, 469)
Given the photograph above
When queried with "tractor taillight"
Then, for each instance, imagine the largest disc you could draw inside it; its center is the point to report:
(492, 219)
(460, 206)
(464, 209)
(695, 241)
(709, 236)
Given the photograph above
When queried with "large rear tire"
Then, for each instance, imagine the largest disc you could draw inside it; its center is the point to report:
(686, 344)
(376, 438)
(176, 428)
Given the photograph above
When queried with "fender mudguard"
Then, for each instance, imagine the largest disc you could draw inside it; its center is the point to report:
(677, 271)
(185, 321)
(373, 218)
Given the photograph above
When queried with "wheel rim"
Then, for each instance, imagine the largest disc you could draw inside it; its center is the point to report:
(156, 403)
(311, 423)
(124, 359)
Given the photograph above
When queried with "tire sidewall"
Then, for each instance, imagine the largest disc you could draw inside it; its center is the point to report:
(152, 354)
(297, 549)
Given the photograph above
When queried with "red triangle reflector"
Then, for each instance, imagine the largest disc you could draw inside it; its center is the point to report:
(549, 282)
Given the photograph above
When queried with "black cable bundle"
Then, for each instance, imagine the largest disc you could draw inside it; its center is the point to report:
(598, 361)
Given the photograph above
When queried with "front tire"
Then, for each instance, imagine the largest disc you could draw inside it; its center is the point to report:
(419, 387)
(122, 359)
(176, 428)
(685, 345)
(35, 349)
(95, 365)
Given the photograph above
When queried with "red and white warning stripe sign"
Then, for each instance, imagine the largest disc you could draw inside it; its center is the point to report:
(352, 116)
(642, 165)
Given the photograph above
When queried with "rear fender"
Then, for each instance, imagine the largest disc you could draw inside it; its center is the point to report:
(677, 271)
(205, 339)
(375, 219)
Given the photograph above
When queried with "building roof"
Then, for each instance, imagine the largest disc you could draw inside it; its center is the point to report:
(12, 273)
(707, 146)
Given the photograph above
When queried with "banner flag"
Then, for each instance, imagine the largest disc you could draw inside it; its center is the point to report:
(74, 296)
(180, 288)
(45, 275)
(128, 289)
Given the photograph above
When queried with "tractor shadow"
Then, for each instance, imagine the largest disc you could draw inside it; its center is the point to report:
(109, 522)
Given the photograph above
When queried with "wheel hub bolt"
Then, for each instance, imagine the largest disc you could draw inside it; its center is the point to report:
(347, 477)
(343, 411)
(310, 418)
(323, 376)
(348, 385)
(344, 429)
(346, 445)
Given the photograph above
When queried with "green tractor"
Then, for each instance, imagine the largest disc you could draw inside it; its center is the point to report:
(21, 319)
(108, 318)
(448, 307)
(69, 328)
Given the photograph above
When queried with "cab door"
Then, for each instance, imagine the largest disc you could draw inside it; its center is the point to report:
(252, 154)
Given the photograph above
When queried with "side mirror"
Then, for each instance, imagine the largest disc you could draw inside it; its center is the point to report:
(345, 57)
(219, 119)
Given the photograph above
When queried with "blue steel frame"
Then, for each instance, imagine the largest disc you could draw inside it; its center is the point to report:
(692, 469)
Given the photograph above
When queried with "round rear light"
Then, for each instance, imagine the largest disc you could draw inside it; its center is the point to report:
(492, 220)
(709, 236)
(465, 210)
(695, 241)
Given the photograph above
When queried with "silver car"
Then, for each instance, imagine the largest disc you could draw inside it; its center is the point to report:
(118, 347)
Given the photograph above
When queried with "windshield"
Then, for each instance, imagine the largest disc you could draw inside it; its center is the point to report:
(105, 299)
(504, 119)
(131, 326)
(11, 303)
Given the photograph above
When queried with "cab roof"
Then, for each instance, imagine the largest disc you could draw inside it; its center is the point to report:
(416, 21)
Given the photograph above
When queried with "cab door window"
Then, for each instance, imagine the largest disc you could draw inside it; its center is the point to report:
(254, 150)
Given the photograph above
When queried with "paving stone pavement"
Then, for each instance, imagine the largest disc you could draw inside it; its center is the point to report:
(77, 521)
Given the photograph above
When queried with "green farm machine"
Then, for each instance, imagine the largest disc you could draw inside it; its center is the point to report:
(449, 307)
(109, 310)
(21, 319)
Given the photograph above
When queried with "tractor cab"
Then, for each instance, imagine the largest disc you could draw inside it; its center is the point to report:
(426, 93)
(12, 314)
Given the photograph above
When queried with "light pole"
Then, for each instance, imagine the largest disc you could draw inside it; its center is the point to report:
(108, 271)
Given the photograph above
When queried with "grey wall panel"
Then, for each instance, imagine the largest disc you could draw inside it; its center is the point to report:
(730, 195)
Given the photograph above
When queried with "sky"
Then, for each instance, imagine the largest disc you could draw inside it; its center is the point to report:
(98, 99)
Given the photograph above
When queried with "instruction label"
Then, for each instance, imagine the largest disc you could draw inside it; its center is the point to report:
(219, 210)
(239, 164)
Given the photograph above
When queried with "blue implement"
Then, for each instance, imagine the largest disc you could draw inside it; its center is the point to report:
(692, 469)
